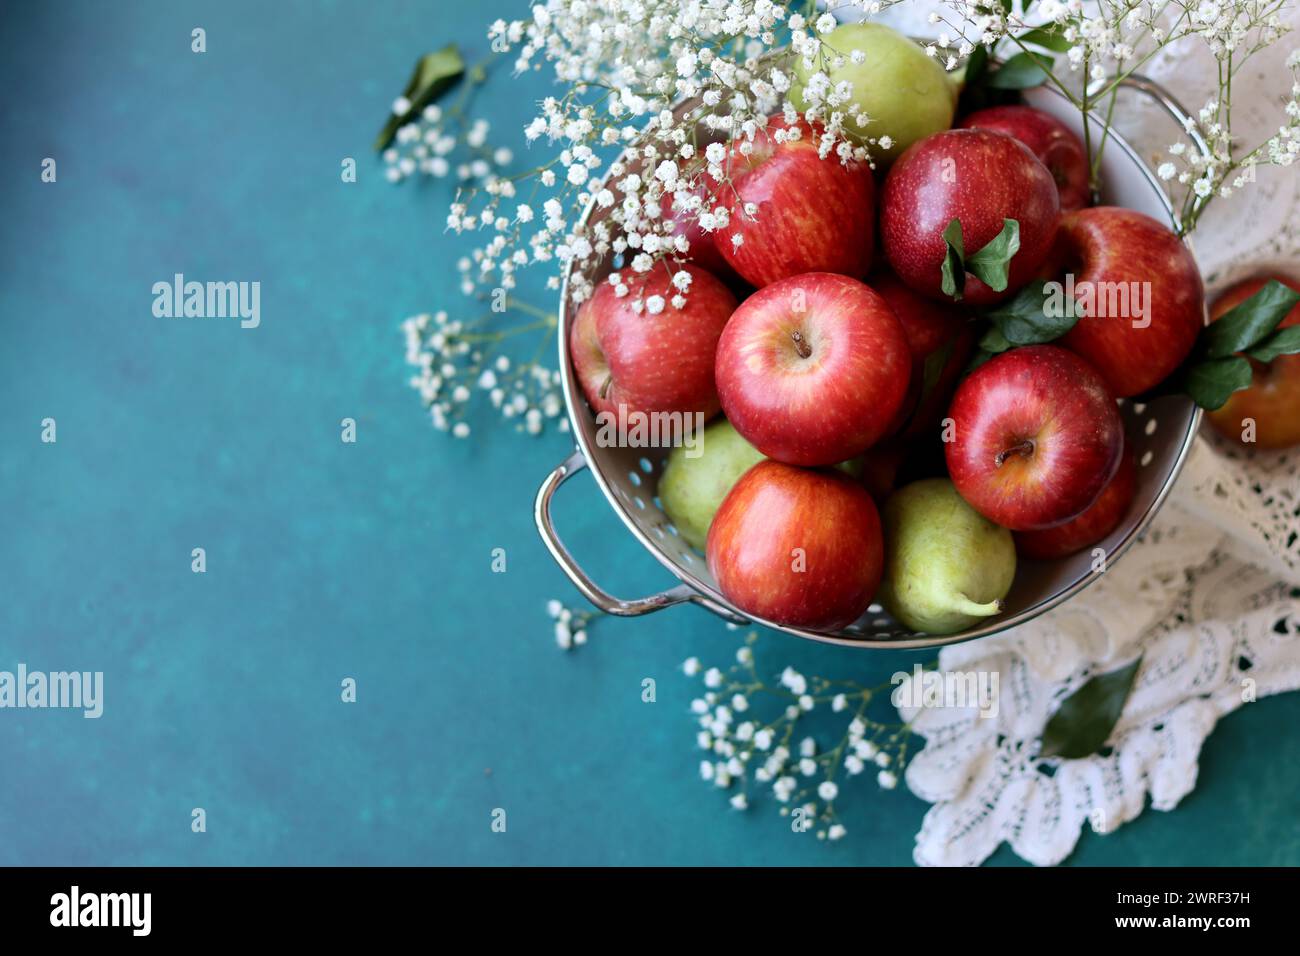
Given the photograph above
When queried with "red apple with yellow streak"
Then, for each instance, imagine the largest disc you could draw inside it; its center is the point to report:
(813, 370)
(651, 361)
(797, 547)
(809, 214)
(1036, 437)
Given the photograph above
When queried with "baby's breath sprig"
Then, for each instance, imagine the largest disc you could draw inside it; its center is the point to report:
(1105, 42)
(459, 361)
(445, 142)
(750, 729)
(570, 625)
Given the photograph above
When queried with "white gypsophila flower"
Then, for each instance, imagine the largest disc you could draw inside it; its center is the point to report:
(691, 666)
(827, 790)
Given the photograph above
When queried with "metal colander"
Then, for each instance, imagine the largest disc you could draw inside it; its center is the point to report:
(1161, 434)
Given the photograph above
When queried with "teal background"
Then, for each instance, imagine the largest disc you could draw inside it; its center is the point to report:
(328, 560)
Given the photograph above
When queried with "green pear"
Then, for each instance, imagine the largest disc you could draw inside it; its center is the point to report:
(946, 565)
(905, 94)
(691, 489)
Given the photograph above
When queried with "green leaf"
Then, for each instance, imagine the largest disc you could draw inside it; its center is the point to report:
(1248, 324)
(1006, 7)
(1038, 313)
(1212, 382)
(1281, 342)
(991, 264)
(434, 75)
(953, 270)
(1020, 72)
(1046, 39)
(1083, 722)
(994, 342)
(977, 65)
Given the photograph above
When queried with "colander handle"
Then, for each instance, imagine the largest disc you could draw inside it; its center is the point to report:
(590, 590)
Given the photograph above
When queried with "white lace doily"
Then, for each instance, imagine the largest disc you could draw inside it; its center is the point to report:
(1206, 598)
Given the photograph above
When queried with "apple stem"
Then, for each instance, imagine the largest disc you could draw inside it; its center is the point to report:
(967, 606)
(1025, 448)
(604, 389)
(800, 346)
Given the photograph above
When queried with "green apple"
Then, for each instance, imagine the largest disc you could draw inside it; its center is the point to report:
(946, 565)
(691, 489)
(905, 94)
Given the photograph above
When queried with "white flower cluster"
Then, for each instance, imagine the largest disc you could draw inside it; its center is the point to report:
(1105, 41)
(445, 144)
(456, 364)
(570, 625)
(749, 730)
(622, 144)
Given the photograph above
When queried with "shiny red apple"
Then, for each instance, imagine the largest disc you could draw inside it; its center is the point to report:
(797, 547)
(1140, 293)
(981, 178)
(1095, 523)
(930, 327)
(658, 359)
(812, 370)
(809, 214)
(1273, 400)
(1049, 139)
(1036, 437)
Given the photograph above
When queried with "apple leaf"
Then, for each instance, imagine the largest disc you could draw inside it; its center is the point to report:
(1211, 383)
(1034, 316)
(1281, 342)
(1217, 368)
(977, 65)
(1246, 325)
(994, 342)
(1041, 37)
(992, 263)
(1085, 719)
(953, 270)
(1022, 71)
(436, 73)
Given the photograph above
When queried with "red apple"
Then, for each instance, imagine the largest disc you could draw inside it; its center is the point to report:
(812, 370)
(651, 361)
(703, 250)
(797, 547)
(1049, 139)
(1147, 304)
(1098, 520)
(981, 178)
(1036, 437)
(929, 326)
(812, 214)
(1273, 399)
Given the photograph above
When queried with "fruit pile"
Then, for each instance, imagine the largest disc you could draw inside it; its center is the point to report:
(884, 438)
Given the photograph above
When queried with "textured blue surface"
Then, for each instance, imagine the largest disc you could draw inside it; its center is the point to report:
(328, 560)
